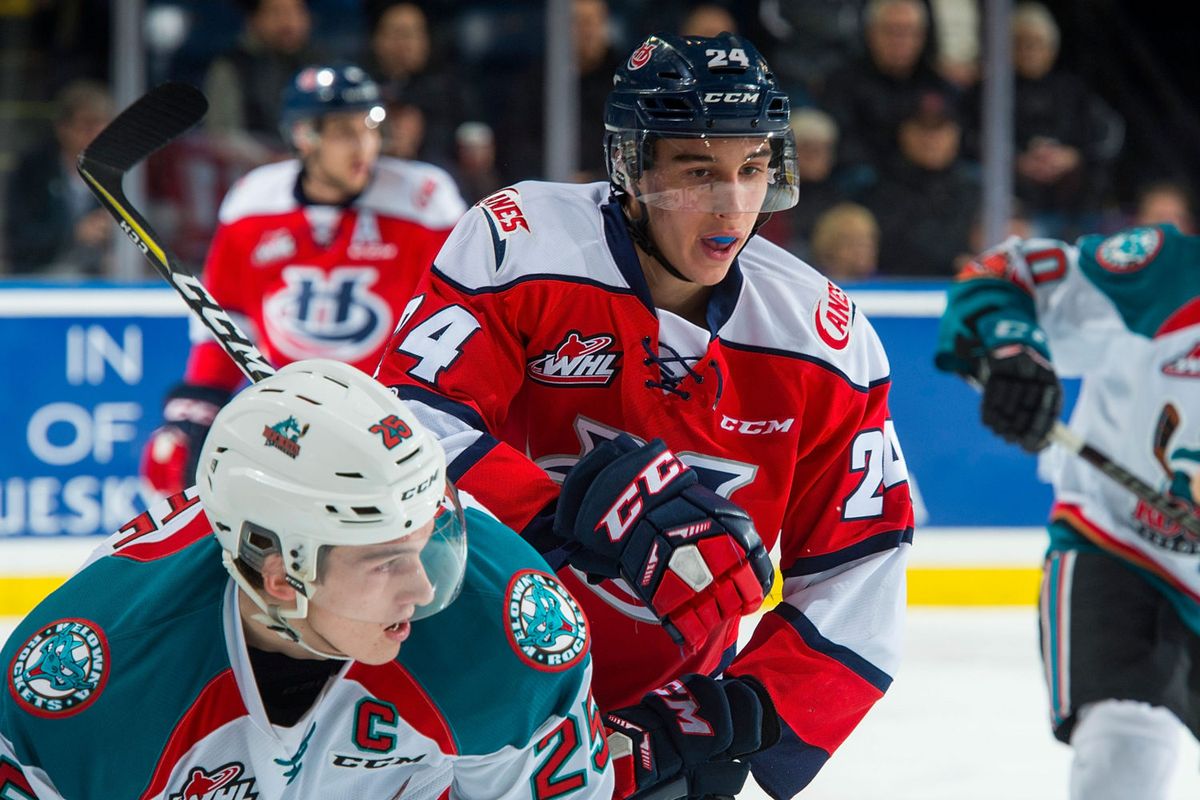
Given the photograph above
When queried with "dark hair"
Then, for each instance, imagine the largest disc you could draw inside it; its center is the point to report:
(251, 7)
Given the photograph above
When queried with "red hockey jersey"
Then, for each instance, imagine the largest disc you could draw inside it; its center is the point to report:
(536, 336)
(312, 281)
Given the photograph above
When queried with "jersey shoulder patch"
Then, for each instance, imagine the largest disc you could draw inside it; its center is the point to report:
(265, 191)
(414, 191)
(513, 626)
(529, 231)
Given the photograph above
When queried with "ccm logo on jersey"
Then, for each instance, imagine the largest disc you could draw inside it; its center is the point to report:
(833, 317)
(657, 475)
(577, 361)
(731, 97)
(757, 427)
(504, 209)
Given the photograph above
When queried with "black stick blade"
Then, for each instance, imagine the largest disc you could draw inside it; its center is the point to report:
(152, 121)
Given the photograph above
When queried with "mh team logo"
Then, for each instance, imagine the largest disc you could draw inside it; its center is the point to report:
(219, 784)
(334, 314)
(61, 669)
(284, 436)
(1130, 250)
(546, 626)
(577, 361)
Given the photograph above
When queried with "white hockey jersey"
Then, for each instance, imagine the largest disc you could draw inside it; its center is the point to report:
(133, 681)
(1123, 314)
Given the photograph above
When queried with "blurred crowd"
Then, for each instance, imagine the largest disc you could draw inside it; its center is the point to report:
(886, 107)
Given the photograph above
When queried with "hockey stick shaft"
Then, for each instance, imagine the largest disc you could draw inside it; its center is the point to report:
(159, 116)
(1176, 512)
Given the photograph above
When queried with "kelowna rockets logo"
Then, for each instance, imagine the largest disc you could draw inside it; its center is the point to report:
(319, 314)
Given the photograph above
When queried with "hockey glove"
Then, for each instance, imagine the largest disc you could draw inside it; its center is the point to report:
(692, 557)
(686, 739)
(169, 457)
(1021, 395)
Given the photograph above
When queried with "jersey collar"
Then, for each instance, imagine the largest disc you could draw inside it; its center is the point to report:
(720, 304)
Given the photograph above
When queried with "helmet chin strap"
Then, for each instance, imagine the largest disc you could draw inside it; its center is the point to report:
(274, 617)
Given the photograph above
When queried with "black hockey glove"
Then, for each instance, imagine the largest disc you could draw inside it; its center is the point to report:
(692, 557)
(1021, 395)
(686, 739)
(169, 457)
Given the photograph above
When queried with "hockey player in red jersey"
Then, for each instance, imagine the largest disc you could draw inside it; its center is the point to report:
(317, 255)
(655, 397)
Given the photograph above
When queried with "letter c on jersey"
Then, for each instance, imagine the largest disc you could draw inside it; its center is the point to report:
(369, 716)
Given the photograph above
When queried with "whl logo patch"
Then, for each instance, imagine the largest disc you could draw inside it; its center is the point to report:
(577, 361)
(219, 784)
(61, 669)
(546, 626)
(1184, 366)
(284, 436)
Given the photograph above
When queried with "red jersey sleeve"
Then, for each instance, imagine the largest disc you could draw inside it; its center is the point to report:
(827, 652)
(208, 364)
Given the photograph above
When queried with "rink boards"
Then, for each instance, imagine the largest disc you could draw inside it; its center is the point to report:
(93, 362)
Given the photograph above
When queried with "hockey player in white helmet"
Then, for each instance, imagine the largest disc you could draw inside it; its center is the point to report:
(267, 632)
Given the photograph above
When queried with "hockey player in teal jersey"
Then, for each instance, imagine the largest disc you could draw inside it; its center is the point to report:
(271, 632)
(1120, 597)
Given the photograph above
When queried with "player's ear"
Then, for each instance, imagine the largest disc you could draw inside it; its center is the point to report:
(305, 137)
(274, 579)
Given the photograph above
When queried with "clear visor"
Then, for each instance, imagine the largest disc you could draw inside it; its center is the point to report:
(408, 578)
(717, 175)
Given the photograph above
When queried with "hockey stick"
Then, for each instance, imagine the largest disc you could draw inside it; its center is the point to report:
(151, 122)
(1168, 421)
(1173, 510)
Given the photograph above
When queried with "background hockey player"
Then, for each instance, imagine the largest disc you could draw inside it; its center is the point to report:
(316, 256)
(1120, 600)
(567, 323)
(267, 633)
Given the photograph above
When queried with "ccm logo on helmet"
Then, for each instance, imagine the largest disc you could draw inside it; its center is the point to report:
(731, 97)
(833, 316)
(629, 506)
(420, 487)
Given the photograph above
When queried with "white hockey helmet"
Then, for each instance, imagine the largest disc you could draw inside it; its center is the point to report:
(322, 455)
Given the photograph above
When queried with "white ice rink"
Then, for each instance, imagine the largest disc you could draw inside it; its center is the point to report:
(963, 721)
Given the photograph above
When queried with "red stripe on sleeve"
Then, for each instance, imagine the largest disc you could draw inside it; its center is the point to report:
(819, 698)
(218, 704)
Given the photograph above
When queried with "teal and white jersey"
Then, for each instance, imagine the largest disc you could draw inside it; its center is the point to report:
(1123, 313)
(133, 681)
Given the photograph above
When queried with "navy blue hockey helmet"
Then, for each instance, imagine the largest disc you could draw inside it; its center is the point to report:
(321, 89)
(680, 87)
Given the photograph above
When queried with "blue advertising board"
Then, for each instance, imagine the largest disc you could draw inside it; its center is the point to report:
(86, 367)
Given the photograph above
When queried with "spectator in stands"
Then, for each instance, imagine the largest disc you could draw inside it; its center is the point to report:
(957, 25)
(708, 19)
(54, 224)
(869, 96)
(926, 197)
(522, 140)
(816, 137)
(810, 40)
(1166, 201)
(1067, 137)
(245, 85)
(475, 161)
(403, 62)
(845, 243)
(404, 127)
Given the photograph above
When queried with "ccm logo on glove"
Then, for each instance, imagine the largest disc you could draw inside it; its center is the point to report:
(629, 506)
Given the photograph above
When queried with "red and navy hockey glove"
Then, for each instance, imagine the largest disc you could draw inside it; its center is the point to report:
(1021, 395)
(686, 739)
(637, 512)
(170, 455)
